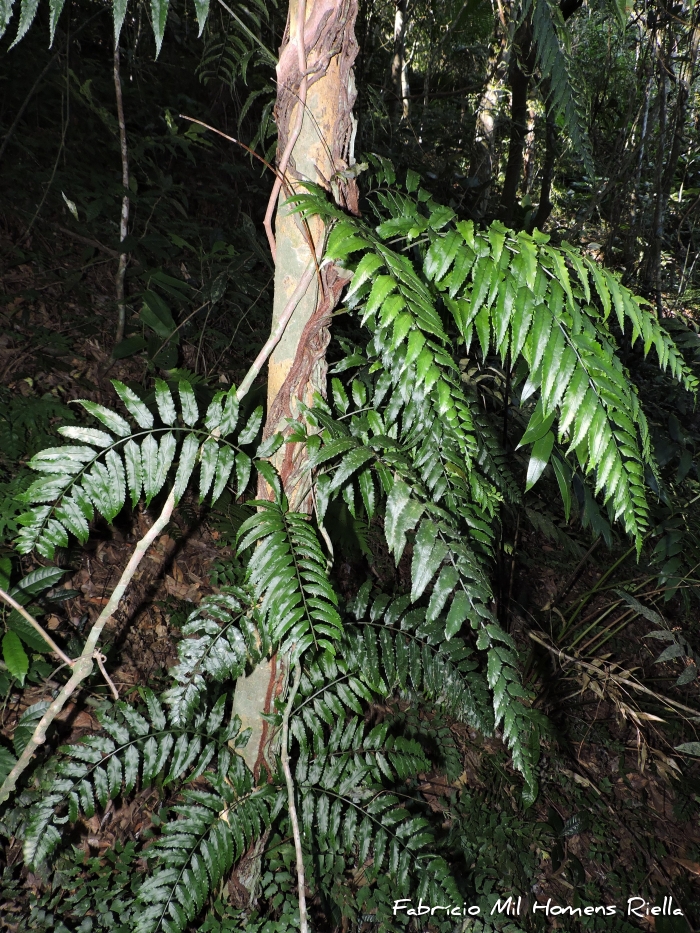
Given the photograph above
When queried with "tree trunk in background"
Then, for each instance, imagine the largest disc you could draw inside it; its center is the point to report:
(399, 68)
(667, 162)
(521, 66)
(297, 368)
(482, 163)
(523, 59)
(544, 208)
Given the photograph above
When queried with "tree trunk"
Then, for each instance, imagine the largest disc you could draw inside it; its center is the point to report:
(522, 63)
(523, 60)
(544, 208)
(482, 163)
(399, 68)
(316, 133)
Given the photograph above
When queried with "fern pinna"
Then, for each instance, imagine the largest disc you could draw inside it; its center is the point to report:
(406, 446)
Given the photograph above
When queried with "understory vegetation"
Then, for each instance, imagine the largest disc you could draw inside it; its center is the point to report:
(465, 562)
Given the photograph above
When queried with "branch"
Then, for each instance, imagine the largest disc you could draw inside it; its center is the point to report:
(301, 881)
(35, 625)
(83, 666)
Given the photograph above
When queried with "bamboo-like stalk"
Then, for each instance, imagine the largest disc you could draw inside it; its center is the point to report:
(124, 224)
(301, 880)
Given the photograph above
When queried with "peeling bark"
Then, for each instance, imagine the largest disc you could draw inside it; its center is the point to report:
(321, 131)
(322, 152)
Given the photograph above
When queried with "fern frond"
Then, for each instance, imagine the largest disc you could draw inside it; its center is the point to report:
(194, 852)
(229, 634)
(137, 747)
(288, 572)
(95, 473)
(553, 61)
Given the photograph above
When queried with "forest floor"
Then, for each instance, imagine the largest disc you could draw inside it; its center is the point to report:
(615, 815)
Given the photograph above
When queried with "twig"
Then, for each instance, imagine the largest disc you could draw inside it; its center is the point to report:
(232, 139)
(124, 226)
(101, 658)
(88, 241)
(35, 625)
(83, 665)
(301, 881)
(623, 681)
(294, 136)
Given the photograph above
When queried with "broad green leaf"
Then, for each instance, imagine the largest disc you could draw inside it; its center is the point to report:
(134, 471)
(562, 471)
(188, 459)
(136, 408)
(428, 555)
(367, 491)
(444, 585)
(539, 458)
(190, 411)
(159, 14)
(166, 454)
(252, 427)
(149, 464)
(244, 466)
(459, 612)
(350, 463)
(55, 9)
(87, 435)
(537, 426)
(688, 748)
(165, 403)
(109, 419)
(26, 18)
(366, 268)
(212, 419)
(229, 419)
(270, 446)
(118, 14)
(209, 456)
(402, 515)
(15, 657)
(224, 465)
(202, 10)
